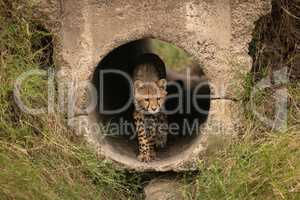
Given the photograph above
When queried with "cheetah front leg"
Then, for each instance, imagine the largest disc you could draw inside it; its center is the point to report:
(145, 140)
(162, 132)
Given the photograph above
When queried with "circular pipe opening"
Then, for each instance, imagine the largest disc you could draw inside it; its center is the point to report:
(187, 103)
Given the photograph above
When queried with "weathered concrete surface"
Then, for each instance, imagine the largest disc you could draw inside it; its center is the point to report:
(216, 33)
(163, 189)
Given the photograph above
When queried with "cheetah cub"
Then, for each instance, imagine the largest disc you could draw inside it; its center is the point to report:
(150, 123)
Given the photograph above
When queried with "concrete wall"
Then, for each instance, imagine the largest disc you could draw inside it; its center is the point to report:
(215, 32)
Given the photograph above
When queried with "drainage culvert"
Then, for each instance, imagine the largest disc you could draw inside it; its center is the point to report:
(89, 30)
(187, 104)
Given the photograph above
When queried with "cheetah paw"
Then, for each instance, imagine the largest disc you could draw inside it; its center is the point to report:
(145, 157)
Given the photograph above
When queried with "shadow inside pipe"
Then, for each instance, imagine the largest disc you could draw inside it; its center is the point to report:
(187, 103)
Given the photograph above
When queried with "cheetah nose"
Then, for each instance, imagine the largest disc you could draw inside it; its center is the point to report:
(153, 108)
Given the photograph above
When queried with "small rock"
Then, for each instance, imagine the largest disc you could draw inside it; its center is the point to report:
(163, 189)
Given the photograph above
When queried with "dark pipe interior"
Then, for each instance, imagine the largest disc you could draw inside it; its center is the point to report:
(116, 92)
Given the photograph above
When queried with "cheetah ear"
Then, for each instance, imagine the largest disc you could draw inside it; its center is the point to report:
(162, 83)
(138, 84)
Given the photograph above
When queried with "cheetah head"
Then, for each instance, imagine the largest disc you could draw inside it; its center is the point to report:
(150, 96)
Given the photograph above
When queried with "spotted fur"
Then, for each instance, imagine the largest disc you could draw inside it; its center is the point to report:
(150, 122)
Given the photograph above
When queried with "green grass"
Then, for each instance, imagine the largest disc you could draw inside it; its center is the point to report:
(266, 168)
(261, 163)
(174, 57)
(39, 156)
